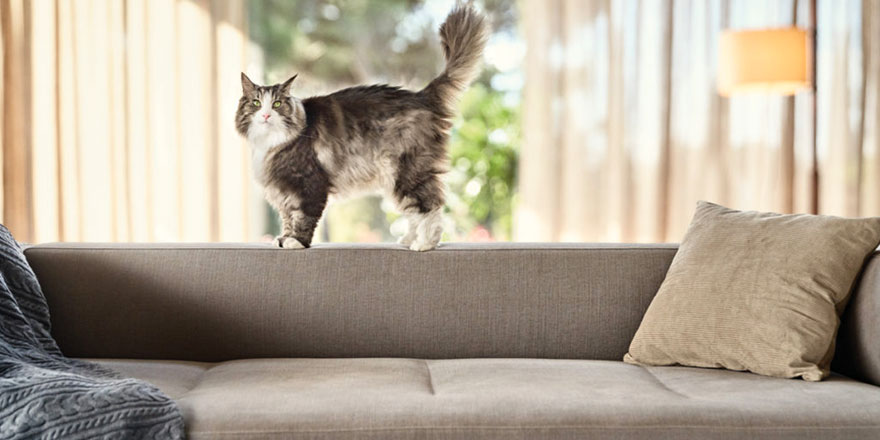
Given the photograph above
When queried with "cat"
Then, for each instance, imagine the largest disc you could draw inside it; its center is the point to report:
(375, 137)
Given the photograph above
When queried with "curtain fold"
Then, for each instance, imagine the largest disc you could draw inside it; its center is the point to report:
(624, 130)
(118, 121)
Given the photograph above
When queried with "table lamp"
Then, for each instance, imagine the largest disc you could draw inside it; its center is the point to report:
(773, 61)
(765, 61)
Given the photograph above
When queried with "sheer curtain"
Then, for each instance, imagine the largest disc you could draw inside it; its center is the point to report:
(624, 130)
(118, 121)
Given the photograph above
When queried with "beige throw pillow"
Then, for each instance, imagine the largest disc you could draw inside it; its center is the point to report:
(755, 291)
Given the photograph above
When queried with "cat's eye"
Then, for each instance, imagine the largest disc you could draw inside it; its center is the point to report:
(256, 102)
(276, 104)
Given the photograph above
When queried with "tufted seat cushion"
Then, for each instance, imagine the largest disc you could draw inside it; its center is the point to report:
(393, 398)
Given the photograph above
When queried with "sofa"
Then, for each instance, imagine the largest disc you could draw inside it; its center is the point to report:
(470, 341)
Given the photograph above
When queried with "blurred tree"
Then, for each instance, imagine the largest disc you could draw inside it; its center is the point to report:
(339, 43)
(483, 155)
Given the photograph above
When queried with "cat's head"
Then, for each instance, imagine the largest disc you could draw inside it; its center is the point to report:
(268, 110)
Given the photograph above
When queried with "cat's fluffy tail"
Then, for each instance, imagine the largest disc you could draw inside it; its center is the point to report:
(463, 35)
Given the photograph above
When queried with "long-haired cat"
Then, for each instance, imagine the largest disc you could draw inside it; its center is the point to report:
(362, 138)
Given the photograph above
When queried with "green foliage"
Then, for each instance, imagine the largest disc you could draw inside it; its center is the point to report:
(484, 152)
(342, 42)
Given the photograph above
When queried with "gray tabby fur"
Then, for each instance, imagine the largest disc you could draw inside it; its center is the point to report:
(367, 138)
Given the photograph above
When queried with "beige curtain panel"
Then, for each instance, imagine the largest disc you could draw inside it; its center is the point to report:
(625, 131)
(118, 121)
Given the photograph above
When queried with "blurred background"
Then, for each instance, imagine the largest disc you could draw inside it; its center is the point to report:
(593, 120)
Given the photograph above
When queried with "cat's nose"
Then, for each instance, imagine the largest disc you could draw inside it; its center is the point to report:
(266, 117)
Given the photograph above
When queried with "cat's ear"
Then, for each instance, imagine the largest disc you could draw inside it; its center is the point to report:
(247, 86)
(285, 86)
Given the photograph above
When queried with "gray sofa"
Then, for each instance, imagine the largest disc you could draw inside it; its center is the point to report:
(495, 341)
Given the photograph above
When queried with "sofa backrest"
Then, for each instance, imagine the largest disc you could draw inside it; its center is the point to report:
(221, 301)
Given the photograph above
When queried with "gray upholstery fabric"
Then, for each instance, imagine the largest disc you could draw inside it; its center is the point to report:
(216, 303)
(858, 340)
(566, 301)
(505, 399)
(230, 301)
(174, 378)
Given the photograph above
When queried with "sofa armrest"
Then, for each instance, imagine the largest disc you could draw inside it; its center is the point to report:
(858, 341)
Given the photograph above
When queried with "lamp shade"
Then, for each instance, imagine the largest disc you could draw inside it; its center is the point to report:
(768, 60)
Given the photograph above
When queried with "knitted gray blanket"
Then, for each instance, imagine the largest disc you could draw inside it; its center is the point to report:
(44, 395)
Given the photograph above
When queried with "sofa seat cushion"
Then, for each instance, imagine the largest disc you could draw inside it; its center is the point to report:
(382, 398)
(174, 378)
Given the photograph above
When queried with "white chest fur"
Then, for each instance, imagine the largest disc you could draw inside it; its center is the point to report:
(262, 140)
(265, 132)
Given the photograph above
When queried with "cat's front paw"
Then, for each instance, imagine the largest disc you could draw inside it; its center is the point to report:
(288, 243)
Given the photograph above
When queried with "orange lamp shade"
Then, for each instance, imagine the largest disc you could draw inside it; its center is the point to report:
(768, 60)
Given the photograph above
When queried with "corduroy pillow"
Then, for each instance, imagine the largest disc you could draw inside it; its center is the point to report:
(755, 291)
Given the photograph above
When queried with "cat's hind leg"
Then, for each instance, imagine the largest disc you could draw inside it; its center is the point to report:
(428, 231)
(421, 201)
(423, 230)
(411, 225)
